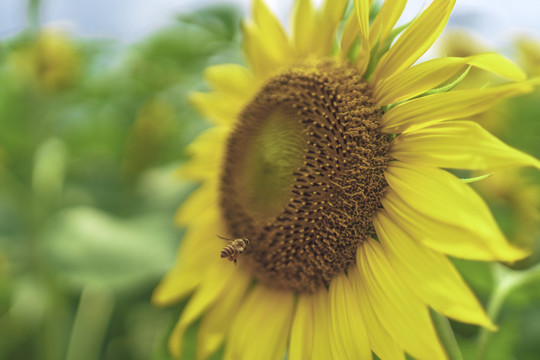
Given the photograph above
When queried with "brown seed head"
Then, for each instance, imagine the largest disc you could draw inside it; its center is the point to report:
(304, 173)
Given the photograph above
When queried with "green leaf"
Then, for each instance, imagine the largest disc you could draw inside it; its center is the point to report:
(85, 245)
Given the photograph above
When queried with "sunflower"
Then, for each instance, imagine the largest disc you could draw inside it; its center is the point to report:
(51, 63)
(328, 152)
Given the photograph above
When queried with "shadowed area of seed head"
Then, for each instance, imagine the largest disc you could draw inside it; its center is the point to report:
(306, 203)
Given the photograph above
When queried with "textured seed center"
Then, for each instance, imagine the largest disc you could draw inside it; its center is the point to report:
(304, 173)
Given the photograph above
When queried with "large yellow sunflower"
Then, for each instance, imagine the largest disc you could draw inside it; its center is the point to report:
(328, 153)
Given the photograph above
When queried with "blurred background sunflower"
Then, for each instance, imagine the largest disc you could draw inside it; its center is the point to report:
(94, 121)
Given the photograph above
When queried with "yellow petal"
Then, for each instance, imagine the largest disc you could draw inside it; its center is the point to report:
(197, 203)
(231, 79)
(266, 45)
(217, 278)
(434, 108)
(303, 27)
(260, 59)
(219, 318)
(349, 34)
(498, 65)
(176, 339)
(427, 75)
(329, 20)
(380, 340)
(362, 61)
(274, 34)
(385, 20)
(198, 244)
(218, 107)
(321, 325)
(429, 274)
(402, 314)
(458, 145)
(347, 327)
(416, 80)
(261, 327)
(415, 40)
(301, 344)
(206, 154)
(362, 13)
(437, 209)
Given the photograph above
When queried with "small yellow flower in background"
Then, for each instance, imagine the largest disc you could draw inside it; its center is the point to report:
(462, 43)
(327, 153)
(51, 63)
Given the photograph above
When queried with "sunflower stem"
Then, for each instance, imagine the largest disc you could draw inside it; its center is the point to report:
(507, 281)
(33, 13)
(92, 319)
(446, 334)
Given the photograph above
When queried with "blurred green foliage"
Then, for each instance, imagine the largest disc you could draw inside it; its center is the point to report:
(91, 133)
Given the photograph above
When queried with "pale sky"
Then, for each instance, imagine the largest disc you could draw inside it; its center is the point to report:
(495, 21)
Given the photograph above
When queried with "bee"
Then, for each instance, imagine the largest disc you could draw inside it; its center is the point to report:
(234, 248)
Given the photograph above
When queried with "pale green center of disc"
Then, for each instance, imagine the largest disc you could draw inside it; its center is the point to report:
(275, 153)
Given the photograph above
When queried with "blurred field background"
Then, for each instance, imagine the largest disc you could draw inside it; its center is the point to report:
(92, 130)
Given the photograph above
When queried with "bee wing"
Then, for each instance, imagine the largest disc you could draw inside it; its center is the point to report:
(224, 238)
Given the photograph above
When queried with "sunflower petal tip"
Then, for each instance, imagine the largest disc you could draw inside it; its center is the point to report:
(514, 253)
(486, 322)
(157, 298)
(491, 326)
(175, 347)
(194, 99)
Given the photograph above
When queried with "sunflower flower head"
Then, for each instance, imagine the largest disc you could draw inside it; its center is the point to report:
(304, 174)
(51, 63)
(327, 153)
